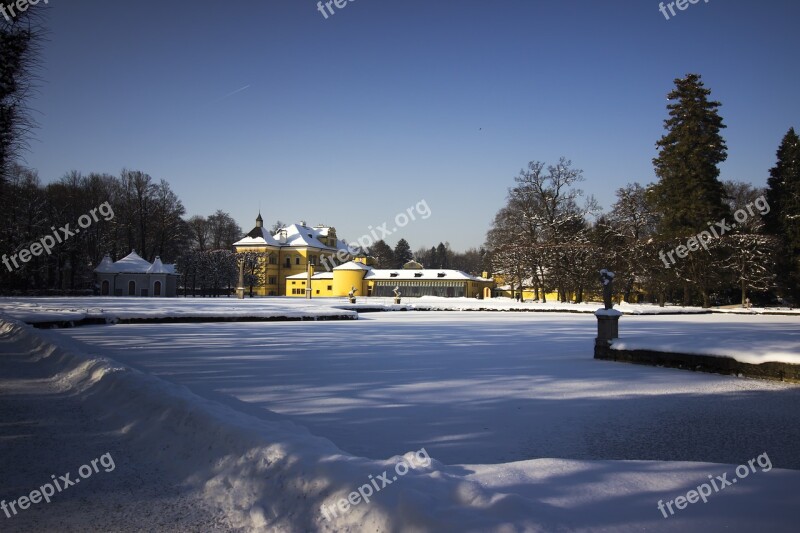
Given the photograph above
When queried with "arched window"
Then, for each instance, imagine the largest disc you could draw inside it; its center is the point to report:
(131, 288)
(104, 288)
(157, 288)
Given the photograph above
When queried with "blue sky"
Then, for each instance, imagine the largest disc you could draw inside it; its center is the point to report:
(350, 120)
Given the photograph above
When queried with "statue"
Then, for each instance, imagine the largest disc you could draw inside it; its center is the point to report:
(352, 295)
(607, 279)
(396, 292)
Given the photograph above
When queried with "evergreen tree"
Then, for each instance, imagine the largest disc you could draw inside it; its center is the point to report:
(383, 254)
(783, 220)
(402, 253)
(441, 256)
(689, 193)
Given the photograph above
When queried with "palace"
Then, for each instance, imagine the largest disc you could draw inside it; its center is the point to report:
(292, 250)
(292, 256)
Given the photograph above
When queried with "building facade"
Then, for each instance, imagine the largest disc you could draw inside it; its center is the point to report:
(293, 250)
(412, 281)
(134, 276)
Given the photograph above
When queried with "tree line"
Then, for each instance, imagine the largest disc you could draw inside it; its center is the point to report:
(689, 238)
(146, 216)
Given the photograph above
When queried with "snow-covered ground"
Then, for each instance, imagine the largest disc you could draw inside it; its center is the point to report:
(32, 310)
(474, 387)
(526, 430)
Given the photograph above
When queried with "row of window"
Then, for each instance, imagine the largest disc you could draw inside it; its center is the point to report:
(105, 289)
(303, 291)
(449, 289)
(312, 259)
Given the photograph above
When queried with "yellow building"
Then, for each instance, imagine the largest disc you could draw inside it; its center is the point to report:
(292, 250)
(412, 281)
(529, 292)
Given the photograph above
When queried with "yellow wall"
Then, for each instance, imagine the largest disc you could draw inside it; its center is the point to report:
(344, 280)
(280, 270)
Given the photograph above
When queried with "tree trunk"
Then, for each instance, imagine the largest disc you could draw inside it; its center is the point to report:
(744, 291)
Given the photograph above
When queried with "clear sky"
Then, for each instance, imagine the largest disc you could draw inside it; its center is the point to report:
(350, 120)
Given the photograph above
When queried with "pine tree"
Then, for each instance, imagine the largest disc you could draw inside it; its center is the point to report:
(383, 254)
(402, 253)
(783, 220)
(441, 256)
(689, 193)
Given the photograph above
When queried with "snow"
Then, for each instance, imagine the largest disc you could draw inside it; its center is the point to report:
(752, 340)
(160, 268)
(33, 310)
(134, 264)
(352, 265)
(455, 382)
(426, 274)
(526, 430)
(608, 312)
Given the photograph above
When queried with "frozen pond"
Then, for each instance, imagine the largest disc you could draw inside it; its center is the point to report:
(478, 387)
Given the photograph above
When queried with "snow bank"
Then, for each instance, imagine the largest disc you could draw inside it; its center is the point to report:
(744, 353)
(41, 310)
(266, 473)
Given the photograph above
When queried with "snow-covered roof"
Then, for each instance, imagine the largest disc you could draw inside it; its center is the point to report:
(408, 274)
(106, 265)
(295, 235)
(321, 275)
(133, 264)
(160, 268)
(258, 237)
(426, 275)
(302, 236)
(352, 265)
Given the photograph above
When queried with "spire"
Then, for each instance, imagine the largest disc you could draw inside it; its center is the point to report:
(259, 220)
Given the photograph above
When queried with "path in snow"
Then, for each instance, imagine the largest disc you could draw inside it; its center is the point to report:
(477, 387)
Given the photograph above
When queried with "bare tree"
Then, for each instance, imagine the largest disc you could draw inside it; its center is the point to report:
(223, 231)
(198, 230)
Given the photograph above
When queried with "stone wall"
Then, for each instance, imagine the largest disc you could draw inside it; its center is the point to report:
(701, 363)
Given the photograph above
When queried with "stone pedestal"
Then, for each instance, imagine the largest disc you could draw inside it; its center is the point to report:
(607, 330)
(240, 293)
(397, 301)
(352, 299)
